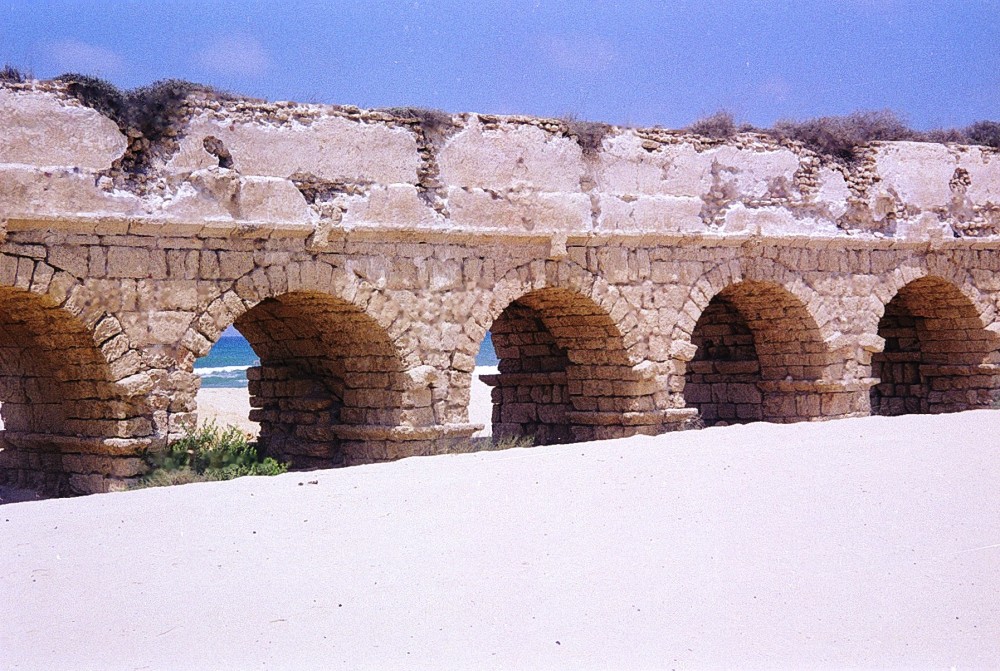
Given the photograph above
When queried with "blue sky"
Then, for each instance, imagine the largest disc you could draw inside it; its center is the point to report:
(641, 63)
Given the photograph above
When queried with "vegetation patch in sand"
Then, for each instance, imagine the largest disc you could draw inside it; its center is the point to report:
(210, 453)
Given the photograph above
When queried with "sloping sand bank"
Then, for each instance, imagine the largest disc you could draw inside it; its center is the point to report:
(871, 542)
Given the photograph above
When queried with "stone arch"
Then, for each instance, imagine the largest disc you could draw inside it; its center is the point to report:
(563, 274)
(890, 284)
(73, 406)
(313, 276)
(388, 411)
(735, 271)
(565, 373)
(938, 355)
(329, 377)
(759, 355)
(324, 364)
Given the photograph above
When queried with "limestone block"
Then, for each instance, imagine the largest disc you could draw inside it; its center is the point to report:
(645, 213)
(392, 204)
(983, 166)
(423, 376)
(613, 264)
(166, 326)
(136, 263)
(832, 192)
(28, 191)
(774, 221)
(88, 484)
(514, 153)
(519, 211)
(752, 174)
(917, 173)
(44, 129)
(624, 167)
(926, 226)
(191, 203)
(444, 275)
(271, 199)
(834, 405)
(72, 259)
(330, 148)
(139, 383)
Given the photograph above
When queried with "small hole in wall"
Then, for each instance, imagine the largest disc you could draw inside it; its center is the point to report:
(216, 148)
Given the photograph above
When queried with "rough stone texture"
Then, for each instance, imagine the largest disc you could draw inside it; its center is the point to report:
(630, 286)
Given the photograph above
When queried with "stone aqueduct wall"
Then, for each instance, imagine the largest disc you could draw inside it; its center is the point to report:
(633, 279)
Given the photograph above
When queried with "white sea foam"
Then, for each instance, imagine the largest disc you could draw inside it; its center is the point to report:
(217, 370)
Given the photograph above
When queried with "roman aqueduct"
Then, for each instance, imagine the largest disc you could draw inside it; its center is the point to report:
(632, 279)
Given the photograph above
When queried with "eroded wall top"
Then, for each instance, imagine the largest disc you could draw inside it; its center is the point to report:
(285, 168)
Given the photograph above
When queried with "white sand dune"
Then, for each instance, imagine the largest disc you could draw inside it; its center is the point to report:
(867, 542)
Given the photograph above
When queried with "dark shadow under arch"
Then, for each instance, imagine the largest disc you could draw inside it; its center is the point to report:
(938, 357)
(564, 372)
(324, 364)
(760, 357)
(57, 394)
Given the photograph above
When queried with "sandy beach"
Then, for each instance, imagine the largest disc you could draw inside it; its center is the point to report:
(232, 406)
(867, 542)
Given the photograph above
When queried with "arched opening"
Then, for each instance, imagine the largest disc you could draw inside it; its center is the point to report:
(224, 396)
(759, 357)
(563, 371)
(57, 398)
(480, 394)
(937, 355)
(324, 365)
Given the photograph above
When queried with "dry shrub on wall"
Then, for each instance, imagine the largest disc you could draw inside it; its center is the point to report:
(986, 133)
(98, 95)
(8, 73)
(145, 114)
(434, 123)
(840, 136)
(147, 110)
(588, 134)
(945, 135)
(719, 126)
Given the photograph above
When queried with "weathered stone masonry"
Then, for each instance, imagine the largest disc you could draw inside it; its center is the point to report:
(630, 286)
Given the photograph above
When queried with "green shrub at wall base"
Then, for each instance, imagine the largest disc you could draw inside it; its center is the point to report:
(210, 453)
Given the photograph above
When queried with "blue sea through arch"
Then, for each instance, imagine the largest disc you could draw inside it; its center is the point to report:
(225, 366)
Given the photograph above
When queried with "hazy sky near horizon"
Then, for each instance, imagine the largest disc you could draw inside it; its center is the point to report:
(626, 62)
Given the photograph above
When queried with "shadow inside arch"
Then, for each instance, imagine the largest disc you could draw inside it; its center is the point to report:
(564, 373)
(760, 357)
(938, 357)
(60, 403)
(324, 365)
